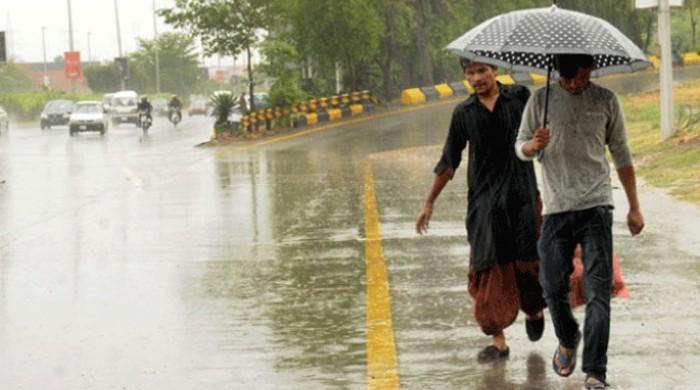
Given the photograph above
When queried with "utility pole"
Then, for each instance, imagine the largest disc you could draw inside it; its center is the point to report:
(666, 71)
(43, 45)
(155, 46)
(70, 39)
(89, 49)
(119, 37)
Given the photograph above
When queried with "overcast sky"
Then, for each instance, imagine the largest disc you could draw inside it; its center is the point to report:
(24, 19)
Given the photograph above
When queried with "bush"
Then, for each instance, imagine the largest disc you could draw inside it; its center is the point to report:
(223, 108)
(27, 106)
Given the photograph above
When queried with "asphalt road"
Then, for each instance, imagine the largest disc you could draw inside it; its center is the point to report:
(142, 262)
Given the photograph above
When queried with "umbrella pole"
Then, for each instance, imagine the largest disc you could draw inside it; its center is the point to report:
(546, 94)
(540, 153)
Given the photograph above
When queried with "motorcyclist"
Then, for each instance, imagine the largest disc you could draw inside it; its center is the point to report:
(175, 104)
(145, 107)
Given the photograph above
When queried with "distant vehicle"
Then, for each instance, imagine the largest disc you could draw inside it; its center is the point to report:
(145, 121)
(88, 116)
(160, 107)
(4, 120)
(197, 107)
(56, 113)
(124, 108)
(175, 116)
(107, 102)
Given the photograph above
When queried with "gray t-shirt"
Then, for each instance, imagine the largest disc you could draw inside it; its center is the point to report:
(575, 171)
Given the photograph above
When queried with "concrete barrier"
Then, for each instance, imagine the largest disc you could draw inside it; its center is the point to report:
(412, 96)
(430, 93)
(459, 88)
(356, 109)
(444, 91)
(346, 112)
(505, 79)
(691, 58)
(334, 114)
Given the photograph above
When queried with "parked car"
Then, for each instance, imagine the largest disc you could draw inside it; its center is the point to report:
(56, 113)
(125, 108)
(88, 116)
(4, 120)
(160, 107)
(197, 107)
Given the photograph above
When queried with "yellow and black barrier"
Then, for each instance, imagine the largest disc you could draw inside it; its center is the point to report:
(312, 111)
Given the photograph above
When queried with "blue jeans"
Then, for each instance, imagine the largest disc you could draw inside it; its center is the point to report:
(592, 228)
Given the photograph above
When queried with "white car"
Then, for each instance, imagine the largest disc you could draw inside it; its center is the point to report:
(88, 116)
(124, 108)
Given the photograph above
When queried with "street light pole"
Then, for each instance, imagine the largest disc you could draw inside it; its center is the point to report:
(89, 49)
(43, 45)
(119, 37)
(70, 39)
(155, 46)
(666, 71)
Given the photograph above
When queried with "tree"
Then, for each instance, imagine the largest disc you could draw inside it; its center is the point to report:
(693, 7)
(179, 71)
(14, 79)
(225, 27)
(103, 78)
(281, 63)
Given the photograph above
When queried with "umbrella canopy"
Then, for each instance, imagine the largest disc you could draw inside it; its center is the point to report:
(525, 41)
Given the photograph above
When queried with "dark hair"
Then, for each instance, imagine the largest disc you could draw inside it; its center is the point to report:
(569, 64)
(465, 63)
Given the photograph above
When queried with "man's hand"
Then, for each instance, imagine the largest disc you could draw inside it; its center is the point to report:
(635, 221)
(424, 219)
(539, 141)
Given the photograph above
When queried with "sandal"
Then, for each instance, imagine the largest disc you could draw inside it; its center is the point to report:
(492, 353)
(566, 363)
(597, 384)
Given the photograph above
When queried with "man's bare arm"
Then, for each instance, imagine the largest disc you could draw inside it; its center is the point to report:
(439, 183)
(635, 219)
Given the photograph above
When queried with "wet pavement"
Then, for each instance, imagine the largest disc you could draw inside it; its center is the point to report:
(136, 262)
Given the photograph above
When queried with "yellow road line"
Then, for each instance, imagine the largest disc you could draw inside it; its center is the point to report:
(381, 350)
(138, 183)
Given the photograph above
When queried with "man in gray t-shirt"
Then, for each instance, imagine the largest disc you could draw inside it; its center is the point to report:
(584, 118)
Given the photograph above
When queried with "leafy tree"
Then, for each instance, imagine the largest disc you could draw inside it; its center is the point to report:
(103, 78)
(226, 27)
(179, 72)
(282, 61)
(14, 79)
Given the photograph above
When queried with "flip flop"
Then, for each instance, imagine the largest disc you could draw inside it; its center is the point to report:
(597, 385)
(566, 362)
(491, 353)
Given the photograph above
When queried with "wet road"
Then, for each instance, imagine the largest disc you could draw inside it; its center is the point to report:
(136, 262)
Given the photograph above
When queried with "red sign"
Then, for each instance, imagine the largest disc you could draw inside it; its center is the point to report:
(71, 65)
(220, 76)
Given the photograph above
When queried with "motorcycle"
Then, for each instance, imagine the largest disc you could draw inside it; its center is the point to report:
(175, 116)
(144, 121)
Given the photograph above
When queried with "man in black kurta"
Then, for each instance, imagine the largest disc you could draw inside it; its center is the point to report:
(502, 211)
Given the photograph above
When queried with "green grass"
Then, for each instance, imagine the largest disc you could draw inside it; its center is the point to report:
(673, 164)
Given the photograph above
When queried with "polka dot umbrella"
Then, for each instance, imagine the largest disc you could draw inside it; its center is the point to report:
(526, 41)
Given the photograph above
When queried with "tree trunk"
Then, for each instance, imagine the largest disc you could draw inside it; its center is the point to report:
(425, 65)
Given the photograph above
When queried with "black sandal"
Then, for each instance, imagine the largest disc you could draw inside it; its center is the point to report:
(492, 353)
(566, 362)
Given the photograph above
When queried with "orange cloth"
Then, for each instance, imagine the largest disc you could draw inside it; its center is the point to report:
(619, 288)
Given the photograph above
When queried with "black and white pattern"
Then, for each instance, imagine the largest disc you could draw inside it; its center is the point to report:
(524, 40)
